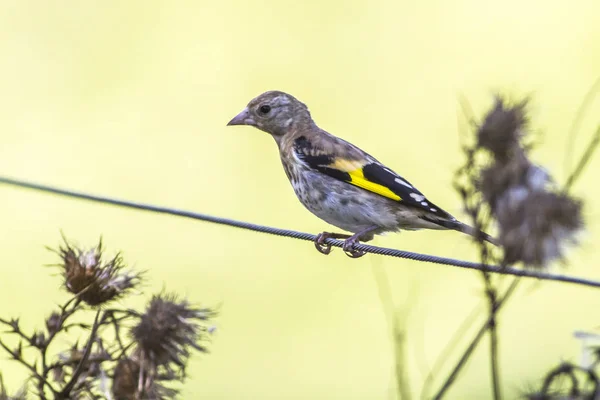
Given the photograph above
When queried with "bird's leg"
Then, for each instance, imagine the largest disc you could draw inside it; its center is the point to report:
(323, 236)
(365, 235)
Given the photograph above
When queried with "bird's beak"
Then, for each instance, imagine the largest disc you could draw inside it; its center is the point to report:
(242, 118)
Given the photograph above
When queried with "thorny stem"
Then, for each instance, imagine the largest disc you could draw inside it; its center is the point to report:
(42, 378)
(17, 357)
(473, 208)
(16, 330)
(66, 392)
(61, 364)
(492, 294)
(65, 313)
(473, 345)
(116, 327)
(114, 322)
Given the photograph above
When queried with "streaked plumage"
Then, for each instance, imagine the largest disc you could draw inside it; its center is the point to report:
(340, 183)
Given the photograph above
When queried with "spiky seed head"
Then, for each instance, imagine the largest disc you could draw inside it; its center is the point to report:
(503, 128)
(38, 339)
(95, 281)
(53, 323)
(131, 381)
(168, 329)
(536, 230)
(501, 178)
(125, 379)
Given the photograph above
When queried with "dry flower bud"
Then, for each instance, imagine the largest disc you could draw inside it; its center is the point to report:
(126, 383)
(125, 379)
(94, 281)
(511, 181)
(38, 340)
(168, 328)
(53, 323)
(536, 229)
(503, 128)
(58, 374)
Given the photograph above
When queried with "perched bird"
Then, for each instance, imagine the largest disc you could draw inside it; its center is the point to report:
(340, 183)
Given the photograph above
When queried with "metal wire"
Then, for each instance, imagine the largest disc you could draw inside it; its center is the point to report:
(301, 235)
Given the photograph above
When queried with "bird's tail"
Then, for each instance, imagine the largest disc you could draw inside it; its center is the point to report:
(469, 230)
(476, 233)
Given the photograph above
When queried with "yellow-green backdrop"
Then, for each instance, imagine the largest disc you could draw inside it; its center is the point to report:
(130, 99)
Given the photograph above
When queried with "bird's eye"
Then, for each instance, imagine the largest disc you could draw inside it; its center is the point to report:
(264, 109)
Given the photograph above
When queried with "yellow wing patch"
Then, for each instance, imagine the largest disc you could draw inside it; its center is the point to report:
(358, 179)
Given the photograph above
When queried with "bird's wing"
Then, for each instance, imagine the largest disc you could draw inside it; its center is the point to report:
(344, 161)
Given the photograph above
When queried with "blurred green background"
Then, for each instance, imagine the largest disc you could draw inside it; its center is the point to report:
(130, 99)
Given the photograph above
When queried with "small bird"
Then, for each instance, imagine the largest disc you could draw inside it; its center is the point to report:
(340, 183)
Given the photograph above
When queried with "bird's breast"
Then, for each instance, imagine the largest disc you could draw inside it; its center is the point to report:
(339, 203)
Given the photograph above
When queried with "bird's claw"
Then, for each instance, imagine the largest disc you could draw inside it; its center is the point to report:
(351, 251)
(348, 247)
(321, 246)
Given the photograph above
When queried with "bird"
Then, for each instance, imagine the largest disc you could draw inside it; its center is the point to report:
(340, 183)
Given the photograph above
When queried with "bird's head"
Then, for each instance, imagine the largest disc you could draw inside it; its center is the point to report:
(274, 112)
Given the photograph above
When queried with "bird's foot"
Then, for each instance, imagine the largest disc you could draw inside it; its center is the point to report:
(323, 247)
(349, 247)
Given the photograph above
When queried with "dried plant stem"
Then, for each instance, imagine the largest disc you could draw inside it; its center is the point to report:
(66, 392)
(491, 294)
(473, 345)
(445, 353)
(587, 100)
(169, 330)
(17, 357)
(494, 358)
(397, 321)
(585, 159)
(402, 381)
(66, 311)
(115, 323)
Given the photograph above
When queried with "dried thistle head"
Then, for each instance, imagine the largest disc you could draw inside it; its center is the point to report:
(128, 385)
(168, 329)
(536, 229)
(566, 382)
(95, 281)
(54, 323)
(503, 128)
(125, 379)
(511, 181)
